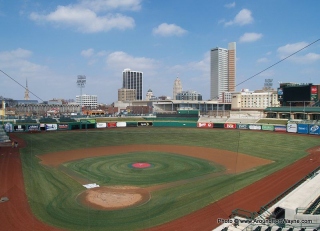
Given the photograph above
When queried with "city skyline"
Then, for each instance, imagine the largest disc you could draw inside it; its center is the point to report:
(51, 43)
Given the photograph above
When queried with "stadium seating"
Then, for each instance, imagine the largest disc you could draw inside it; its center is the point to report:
(313, 206)
(257, 229)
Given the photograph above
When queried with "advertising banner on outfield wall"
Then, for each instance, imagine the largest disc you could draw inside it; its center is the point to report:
(314, 129)
(292, 128)
(218, 125)
(63, 126)
(8, 127)
(230, 126)
(121, 124)
(34, 127)
(132, 124)
(145, 124)
(280, 128)
(267, 127)
(112, 124)
(204, 125)
(51, 127)
(303, 128)
(254, 127)
(242, 126)
(19, 128)
(101, 125)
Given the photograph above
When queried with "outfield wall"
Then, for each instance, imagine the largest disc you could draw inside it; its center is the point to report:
(311, 129)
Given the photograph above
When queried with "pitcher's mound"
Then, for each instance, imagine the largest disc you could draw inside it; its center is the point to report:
(115, 197)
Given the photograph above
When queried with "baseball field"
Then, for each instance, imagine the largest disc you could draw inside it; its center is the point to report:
(148, 177)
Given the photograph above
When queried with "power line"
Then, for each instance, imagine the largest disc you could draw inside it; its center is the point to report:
(21, 85)
(278, 62)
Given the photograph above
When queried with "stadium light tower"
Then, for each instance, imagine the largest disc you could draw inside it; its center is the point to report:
(81, 82)
(268, 83)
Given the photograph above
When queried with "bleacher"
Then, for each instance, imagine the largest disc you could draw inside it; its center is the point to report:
(242, 120)
(313, 207)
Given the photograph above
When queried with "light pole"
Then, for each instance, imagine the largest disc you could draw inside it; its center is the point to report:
(81, 82)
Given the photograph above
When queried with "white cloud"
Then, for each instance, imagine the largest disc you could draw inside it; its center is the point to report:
(15, 54)
(107, 5)
(87, 53)
(250, 37)
(16, 61)
(167, 30)
(120, 60)
(84, 20)
(242, 18)
(230, 5)
(289, 49)
(262, 60)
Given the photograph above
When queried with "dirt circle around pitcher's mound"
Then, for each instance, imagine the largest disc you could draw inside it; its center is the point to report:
(113, 197)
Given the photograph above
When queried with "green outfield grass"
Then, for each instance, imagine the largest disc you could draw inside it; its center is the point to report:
(118, 170)
(51, 193)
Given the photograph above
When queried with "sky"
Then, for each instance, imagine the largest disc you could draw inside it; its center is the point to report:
(50, 43)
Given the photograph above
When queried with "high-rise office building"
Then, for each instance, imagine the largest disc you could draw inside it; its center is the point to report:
(133, 80)
(223, 70)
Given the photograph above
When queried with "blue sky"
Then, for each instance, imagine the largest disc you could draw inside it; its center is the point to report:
(50, 43)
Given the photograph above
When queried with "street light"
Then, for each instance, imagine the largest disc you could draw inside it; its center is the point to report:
(81, 82)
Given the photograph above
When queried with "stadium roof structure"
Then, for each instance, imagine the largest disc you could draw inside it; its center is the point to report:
(293, 109)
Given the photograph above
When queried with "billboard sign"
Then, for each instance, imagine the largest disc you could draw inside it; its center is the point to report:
(314, 93)
(112, 124)
(230, 126)
(303, 128)
(242, 126)
(19, 128)
(254, 127)
(101, 125)
(280, 128)
(33, 127)
(51, 127)
(280, 94)
(204, 125)
(63, 126)
(267, 127)
(292, 128)
(144, 123)
(314, 129)
(8, 127)
(121, 124)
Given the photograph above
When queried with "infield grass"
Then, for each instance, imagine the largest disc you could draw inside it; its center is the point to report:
(52, 194)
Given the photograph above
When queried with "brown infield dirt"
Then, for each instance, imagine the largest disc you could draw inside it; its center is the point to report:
(16, 214)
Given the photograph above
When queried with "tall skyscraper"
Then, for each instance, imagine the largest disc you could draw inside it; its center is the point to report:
(223, 70)
(177, 88)
(133, 80)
